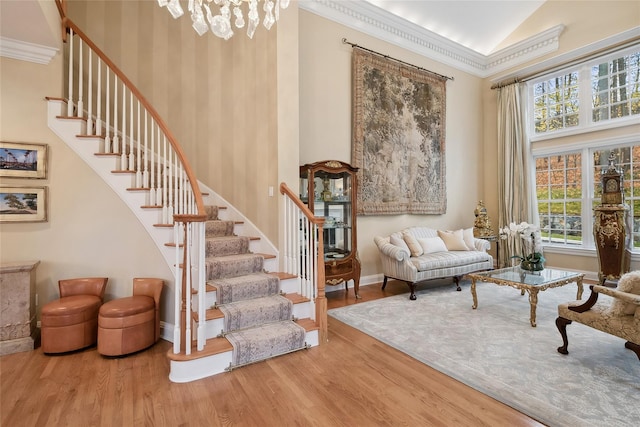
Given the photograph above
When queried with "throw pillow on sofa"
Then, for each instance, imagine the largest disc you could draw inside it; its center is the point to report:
(630, 283)
(432, 244)
(469, 238)
(414, 246)
(397, 240)
(453, 240)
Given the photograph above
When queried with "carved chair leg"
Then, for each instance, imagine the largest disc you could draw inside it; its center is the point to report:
(633, 347)
(562, 323)
(412, 288)
(384, 282)
(456, 280)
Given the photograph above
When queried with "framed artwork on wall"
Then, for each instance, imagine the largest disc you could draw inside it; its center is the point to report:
(398, 137)
(23, 204)
(23, 160)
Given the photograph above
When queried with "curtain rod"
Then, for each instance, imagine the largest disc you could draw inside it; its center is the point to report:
(583, 58)
(345, 41)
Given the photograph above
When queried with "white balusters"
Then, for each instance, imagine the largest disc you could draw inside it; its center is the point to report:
(198, 243)
(90, 129)
(99, 101)
(107, 139)
(123, 152)
(80, 103)
(116, 131)
(177, 327)
(71, 68)
(138, 163)
(145, 172)
(165, 167)
(187, 286)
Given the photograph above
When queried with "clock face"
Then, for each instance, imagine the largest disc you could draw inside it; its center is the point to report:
(611, 185)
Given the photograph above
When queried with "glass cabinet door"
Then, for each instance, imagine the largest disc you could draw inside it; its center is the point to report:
(329, 189)
(334, 205)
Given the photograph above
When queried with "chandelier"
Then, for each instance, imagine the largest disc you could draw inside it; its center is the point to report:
(220, 24)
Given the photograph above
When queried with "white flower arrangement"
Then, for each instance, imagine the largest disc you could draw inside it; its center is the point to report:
(531, 241)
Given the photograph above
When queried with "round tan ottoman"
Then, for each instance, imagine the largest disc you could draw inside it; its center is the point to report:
(130, 324)
(71, 322)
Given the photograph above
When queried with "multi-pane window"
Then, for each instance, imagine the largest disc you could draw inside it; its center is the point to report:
(559, 190)
(615, 87)
(556, 103)
(586, 96)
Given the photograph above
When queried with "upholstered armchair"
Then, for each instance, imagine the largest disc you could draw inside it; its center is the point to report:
(618, 315)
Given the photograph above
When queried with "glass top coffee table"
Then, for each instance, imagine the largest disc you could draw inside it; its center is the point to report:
(530, 281)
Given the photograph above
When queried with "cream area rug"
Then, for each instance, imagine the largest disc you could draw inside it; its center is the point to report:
(495, 350)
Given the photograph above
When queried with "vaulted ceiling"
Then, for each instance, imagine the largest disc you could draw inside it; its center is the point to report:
(460, 33)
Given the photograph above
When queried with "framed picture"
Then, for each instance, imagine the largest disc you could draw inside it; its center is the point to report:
(21, 160)
(23, 204)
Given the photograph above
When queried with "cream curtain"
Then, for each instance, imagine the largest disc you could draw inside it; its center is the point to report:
(516, 182)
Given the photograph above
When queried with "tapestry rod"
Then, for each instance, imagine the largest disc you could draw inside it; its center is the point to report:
(345, 41)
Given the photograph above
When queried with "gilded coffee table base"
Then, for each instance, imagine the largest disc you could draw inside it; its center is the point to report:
(532, 290)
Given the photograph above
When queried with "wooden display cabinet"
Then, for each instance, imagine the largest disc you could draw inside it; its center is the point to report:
(329, 189)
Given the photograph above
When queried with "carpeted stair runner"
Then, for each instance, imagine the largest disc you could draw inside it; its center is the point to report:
(233, 265)
(255, 312)
(257, 321)
(245, 287)
(265, 341)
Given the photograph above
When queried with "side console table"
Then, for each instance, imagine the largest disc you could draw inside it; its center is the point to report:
(18, 330)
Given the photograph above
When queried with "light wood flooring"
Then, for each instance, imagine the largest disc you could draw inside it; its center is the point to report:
(353, 380)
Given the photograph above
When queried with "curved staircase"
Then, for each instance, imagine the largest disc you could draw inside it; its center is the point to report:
(232, 306)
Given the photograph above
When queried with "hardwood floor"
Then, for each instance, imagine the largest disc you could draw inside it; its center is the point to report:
(354, 380)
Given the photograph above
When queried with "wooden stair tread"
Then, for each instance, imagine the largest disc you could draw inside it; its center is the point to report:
(282, 275)
(265, 256)
(296, 298)
(213, 346)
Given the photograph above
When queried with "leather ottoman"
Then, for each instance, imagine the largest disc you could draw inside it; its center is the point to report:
(130, 324)
(69, 323)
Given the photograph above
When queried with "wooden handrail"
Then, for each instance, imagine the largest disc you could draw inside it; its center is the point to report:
(284, 189)
(67, 23)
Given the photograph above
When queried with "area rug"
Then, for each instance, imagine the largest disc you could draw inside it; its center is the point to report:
(494, 349)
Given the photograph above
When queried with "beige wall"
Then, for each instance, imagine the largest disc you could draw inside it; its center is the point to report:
(219, 98)
(89, 231)
(586, 22)
(325, 126)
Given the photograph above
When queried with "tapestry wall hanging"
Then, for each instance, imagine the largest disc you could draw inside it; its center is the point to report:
(398, 137)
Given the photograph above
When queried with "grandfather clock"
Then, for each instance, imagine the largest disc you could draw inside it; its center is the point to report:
(610, 225)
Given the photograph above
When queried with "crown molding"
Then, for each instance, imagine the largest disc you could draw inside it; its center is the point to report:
(25, 51)
(377, 22)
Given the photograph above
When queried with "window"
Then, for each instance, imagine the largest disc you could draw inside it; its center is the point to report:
(559, 189)
(606, 89)
(603, 93)
(615, 88)
(556, 103)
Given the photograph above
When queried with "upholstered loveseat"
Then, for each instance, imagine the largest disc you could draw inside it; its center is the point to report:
(416, 254)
